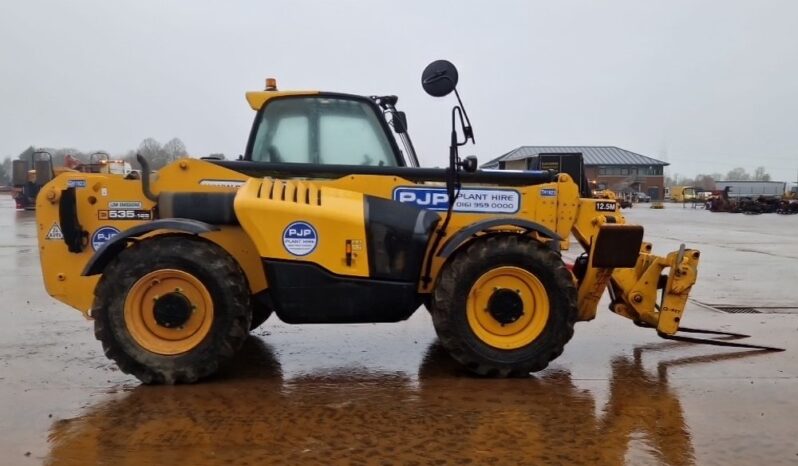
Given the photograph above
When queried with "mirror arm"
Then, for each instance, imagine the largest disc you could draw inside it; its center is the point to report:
(468, 131)
(454, 144)
(457, 111)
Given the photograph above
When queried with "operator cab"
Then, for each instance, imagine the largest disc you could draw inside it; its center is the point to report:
(330, 129)
(326, 135)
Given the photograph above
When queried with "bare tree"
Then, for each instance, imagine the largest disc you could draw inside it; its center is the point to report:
(153, 152)
(25, 154)
(175, 149)
(674, 180)
(706, 182)
(761, 175)
(59, 155)
(738, 174)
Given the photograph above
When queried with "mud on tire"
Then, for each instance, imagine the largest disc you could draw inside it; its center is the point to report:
(219, 273)
(449, 305)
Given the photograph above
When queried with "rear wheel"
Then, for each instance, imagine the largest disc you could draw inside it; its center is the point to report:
(505, 306)
(172, 309)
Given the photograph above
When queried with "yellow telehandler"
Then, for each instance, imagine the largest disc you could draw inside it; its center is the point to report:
(326, 220)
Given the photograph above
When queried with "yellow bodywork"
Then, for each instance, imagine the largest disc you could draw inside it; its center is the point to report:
(336, 212)
(266, 207)
(340, 217)
(683, 193)
(257, 99)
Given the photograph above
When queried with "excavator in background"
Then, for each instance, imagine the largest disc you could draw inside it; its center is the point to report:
(29, 175)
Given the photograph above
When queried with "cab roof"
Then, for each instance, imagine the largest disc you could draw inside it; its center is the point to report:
(257, 99)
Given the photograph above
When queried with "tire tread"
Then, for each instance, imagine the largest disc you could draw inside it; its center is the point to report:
(449, 291)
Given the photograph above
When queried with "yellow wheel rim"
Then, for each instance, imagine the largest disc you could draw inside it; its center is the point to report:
(528, 325)
(154, 336)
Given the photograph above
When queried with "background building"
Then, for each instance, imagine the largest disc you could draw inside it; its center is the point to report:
(609, 167)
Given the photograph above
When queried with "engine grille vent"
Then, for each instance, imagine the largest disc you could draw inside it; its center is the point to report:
(291, 191)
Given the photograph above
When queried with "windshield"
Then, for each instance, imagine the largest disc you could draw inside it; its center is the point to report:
(321, 130)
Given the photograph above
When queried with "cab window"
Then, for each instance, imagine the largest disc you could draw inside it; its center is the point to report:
(321, 130)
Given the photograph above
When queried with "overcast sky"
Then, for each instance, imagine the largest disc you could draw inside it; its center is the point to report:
(704, 85)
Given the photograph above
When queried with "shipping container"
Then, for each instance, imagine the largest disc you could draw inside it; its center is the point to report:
(752, 189)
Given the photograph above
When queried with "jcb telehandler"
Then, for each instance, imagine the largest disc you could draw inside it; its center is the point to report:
(327, 220)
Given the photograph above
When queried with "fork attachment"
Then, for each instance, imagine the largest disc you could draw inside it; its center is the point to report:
(634, 290)
(650, 290)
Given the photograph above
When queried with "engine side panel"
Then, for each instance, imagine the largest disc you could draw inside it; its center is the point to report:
(302, 221)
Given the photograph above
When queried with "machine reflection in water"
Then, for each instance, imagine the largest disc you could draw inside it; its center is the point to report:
(251, 415)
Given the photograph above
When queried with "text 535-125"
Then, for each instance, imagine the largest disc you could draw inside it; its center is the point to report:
(124, 214)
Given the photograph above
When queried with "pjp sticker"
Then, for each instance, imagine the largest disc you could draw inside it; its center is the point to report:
(473, 200)
(300, 238)
(102, 235)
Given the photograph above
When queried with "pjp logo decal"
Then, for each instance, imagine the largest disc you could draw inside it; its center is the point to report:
(101, 235)
(300, 238)
(474, 200)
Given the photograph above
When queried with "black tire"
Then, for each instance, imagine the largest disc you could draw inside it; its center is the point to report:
(449, 305)
(207, 262)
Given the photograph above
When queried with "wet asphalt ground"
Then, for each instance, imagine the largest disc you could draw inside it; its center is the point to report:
(388, 394)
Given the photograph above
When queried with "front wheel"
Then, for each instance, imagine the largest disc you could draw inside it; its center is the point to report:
(504, 306)
(172, 309)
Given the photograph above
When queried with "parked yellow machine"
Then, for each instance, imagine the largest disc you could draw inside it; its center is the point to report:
(326, 220)
(683, 193)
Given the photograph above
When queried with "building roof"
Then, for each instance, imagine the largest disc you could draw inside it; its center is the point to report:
(593, 155)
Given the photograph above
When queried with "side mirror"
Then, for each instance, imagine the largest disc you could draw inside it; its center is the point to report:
(399, 122)
(469, 165)
(439, 78)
